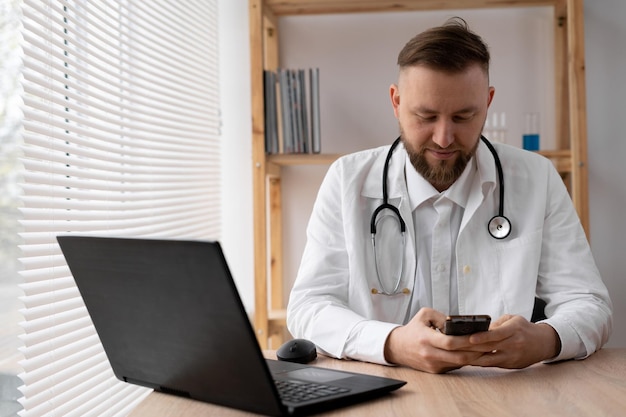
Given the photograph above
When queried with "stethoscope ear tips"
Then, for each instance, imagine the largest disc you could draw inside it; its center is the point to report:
(499, 227)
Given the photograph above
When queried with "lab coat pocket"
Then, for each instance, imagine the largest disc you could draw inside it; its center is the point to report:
(390, 308)
(518, 269)
(383, 298)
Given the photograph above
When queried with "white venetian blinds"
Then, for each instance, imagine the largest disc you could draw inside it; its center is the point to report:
(120, 138)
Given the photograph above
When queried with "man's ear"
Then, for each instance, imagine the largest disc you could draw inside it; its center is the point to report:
(492, 92)
(394, 95)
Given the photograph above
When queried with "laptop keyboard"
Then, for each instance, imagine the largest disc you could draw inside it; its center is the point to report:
(298, 391)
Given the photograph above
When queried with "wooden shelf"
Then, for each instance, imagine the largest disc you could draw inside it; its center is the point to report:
(570, 159)
(562, 160)
(297, 7)
(302, 159)
(278, 315)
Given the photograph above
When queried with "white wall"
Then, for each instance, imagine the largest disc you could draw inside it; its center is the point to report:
(237, 233)
(357, 53)
(605, 37)
(606, 64)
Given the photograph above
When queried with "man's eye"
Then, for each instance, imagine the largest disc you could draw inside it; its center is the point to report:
(427, 118)
(462, 118)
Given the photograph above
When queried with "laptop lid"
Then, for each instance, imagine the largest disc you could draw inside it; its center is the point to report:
(170, 318)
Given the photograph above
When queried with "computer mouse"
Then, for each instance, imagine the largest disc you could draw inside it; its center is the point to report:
(297, 350)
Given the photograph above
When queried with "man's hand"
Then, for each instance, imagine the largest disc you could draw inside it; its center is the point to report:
(514, 342)
(420, 345)
(511, 342)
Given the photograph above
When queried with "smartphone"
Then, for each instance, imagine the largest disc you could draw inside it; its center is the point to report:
(468, 324)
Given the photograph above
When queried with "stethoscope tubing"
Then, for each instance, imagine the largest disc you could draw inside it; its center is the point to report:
(385, 204)
(499, 226)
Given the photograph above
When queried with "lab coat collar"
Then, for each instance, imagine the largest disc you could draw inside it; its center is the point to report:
(487, 177)
(396, 183)
(485, 181)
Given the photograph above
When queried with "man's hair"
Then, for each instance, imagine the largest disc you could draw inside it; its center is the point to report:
(452, 47)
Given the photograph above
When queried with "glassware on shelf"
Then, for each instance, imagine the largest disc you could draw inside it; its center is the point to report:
(530, 138)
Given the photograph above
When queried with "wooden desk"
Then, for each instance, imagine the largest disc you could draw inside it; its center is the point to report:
(593, 387)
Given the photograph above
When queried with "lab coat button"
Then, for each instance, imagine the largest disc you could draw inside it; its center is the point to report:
(467, 269)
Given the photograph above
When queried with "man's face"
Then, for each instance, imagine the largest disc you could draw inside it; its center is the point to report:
(441, 116)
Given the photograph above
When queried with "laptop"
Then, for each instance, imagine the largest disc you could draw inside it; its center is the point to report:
(170, 318)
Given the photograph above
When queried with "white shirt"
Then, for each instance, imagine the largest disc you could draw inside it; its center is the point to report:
(436, 280)
(546, 254)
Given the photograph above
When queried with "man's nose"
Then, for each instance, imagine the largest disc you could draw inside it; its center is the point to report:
(443, 134)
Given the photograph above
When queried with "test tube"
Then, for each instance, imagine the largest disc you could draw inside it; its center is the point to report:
(530, 138)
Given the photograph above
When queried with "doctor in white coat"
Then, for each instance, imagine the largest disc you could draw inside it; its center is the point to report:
(383, 297)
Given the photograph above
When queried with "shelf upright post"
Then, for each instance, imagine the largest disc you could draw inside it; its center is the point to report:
(578, 109)
(258, 172)
(268, 293)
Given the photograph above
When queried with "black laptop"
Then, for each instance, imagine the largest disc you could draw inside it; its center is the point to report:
(170, 318)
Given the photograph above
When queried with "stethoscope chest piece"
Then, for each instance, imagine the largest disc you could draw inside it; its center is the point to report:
(499, 227)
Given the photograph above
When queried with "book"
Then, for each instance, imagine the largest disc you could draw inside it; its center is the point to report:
(271, 125)
(303, 110)
(292, 111)
(285, 110)
(314, 79)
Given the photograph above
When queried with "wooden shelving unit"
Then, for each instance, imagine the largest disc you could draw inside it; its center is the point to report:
(571, 126)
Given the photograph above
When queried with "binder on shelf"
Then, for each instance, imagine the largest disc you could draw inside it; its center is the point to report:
(285, 111)
(314, 79)
(271, 126)
(303, 112)
(295, 112)
(291, 111)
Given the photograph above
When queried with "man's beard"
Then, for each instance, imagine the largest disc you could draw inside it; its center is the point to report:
(441, 175)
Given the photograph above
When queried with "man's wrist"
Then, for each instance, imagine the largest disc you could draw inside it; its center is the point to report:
(553, 341)
(389, 350)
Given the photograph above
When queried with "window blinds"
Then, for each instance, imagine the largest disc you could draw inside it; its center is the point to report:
(120, 138)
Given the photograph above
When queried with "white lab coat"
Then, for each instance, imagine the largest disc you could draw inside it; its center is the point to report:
(546, 254)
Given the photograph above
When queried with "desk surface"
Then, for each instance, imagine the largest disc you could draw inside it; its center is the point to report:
(594, 387)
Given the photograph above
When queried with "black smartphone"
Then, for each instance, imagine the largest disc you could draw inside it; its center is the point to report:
(466, 324)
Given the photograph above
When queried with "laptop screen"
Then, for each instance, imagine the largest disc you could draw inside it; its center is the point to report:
(169, 317)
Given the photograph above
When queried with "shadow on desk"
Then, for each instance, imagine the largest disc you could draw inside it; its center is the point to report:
(592, 387)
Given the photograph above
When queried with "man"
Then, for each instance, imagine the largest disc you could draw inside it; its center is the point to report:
(367, 291)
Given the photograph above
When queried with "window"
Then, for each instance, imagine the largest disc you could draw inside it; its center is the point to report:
(10, 122)
(120, 137)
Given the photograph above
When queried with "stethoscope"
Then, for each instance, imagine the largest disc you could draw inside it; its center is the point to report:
(499, 226)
